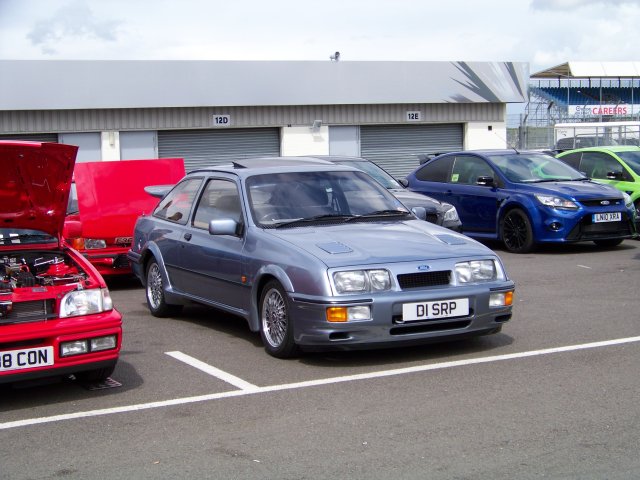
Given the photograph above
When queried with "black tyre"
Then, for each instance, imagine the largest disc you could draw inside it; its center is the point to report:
(614, 242)
(155, 293)
(276, 328)
(516, 232)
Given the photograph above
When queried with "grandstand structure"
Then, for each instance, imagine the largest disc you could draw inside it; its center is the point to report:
(578, 92)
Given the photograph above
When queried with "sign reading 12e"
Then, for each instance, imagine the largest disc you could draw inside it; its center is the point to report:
(222, 120)
(414, 116)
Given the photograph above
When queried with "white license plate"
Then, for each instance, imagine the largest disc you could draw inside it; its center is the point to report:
(607, 217)
(457, 307)
(27, 358)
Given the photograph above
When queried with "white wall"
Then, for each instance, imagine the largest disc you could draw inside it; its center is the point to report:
(298, 141)
(485, 135)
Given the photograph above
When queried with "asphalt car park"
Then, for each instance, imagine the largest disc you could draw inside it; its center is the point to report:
(196, 396)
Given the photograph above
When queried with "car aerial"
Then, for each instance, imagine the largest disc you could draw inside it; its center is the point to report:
(106, 199)
(525, 198)
(618, 166)
(440, 213)
(315, 256)
(56, 314)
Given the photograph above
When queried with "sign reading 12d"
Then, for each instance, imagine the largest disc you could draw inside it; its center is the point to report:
(221, 120)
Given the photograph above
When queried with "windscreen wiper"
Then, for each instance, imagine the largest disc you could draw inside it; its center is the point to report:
(316, 218)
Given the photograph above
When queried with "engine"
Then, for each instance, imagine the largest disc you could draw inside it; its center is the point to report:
(37, 269)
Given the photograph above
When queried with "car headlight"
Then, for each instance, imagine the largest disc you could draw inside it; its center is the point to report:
(479, 271)
(557, 202)
(627, 200)
(94, 243)
(451, 215)
(85, 302)
(362, 281)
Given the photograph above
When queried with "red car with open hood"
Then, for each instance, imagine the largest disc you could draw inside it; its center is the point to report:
(56, 314)
(106, 199)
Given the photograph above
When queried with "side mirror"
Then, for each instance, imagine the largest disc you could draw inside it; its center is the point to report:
(420, 212)
(617, 175)
(485, 181)
(225, 226)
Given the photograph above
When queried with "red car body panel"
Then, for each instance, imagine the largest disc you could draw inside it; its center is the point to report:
(39, 272)
(111, 197)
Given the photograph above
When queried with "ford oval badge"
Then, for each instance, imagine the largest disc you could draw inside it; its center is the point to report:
(605, 202)
(423, 268)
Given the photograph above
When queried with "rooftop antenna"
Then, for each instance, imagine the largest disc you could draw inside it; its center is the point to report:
(335, 57)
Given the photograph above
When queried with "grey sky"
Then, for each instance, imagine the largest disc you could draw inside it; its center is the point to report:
(542, 32)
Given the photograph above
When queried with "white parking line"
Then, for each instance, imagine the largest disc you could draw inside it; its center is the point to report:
(312, 383)
(211, 370)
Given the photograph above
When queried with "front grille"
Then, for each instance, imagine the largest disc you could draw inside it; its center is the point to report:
(587, 230)
(25, 312)
(424, 279)
(598, 202)
(121, 261)
(431, 327)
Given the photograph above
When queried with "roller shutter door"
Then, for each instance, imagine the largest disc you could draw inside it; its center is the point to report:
(33, 137)
(202, 148)
(396, 147)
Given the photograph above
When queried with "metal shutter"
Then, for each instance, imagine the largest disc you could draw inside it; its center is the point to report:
(202, 148)
(395, 147)
(33, 137)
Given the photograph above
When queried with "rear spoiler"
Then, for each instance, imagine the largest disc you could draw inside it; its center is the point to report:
(158, 191)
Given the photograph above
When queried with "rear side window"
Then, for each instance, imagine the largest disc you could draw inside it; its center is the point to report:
(436, 170)
(175, 207)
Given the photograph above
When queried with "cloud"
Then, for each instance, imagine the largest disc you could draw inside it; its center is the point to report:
(573, 4)
(75, 21)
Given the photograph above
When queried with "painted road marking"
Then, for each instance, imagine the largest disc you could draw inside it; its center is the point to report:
(314, 383)
(211, 370)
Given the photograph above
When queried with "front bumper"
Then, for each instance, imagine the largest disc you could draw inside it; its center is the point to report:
(387, 328)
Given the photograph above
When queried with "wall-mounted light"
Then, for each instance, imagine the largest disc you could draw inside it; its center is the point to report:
(316, 125)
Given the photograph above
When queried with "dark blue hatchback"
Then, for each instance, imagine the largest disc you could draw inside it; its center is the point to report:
(525, 198)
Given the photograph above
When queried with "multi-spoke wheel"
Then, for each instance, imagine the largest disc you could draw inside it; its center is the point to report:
(276, 328)
(155, 293)
(516, 232)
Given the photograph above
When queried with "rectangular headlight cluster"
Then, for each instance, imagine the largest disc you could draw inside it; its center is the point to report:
(85, 302)
(478, 271)
(362, 281)
(88, 345)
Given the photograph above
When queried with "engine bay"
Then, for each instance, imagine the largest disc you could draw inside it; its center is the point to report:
(38, 269)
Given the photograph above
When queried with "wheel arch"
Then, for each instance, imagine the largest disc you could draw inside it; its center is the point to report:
(265, 274)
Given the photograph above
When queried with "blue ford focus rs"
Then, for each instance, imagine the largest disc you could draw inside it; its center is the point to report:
(525, 198)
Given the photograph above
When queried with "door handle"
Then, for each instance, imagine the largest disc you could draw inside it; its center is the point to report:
(187, 236)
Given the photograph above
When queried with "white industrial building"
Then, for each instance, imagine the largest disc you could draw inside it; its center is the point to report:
(209, 112)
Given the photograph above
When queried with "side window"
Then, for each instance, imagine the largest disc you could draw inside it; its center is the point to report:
(597, 164)
(175, 207)
(467, 169)
(572, 159)
(436, 170)
(220, 199)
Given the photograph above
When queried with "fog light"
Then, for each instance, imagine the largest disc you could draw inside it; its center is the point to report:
(76, 347)
(502, 299)
(346, 314)
(103, 343)
(555, 226)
